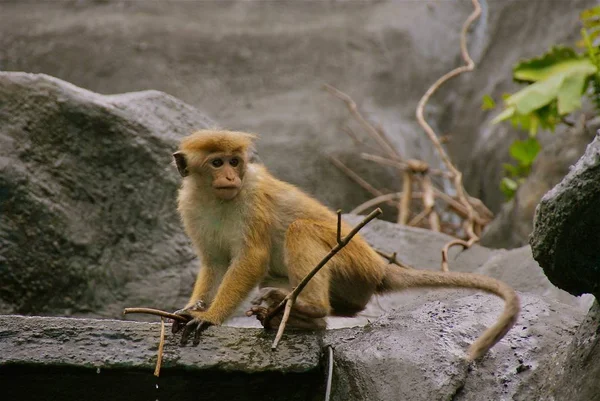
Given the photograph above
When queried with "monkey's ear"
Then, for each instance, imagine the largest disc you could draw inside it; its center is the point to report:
(181, 163)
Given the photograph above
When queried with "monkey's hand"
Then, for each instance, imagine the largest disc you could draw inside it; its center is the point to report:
(199, 321)
(198, 306)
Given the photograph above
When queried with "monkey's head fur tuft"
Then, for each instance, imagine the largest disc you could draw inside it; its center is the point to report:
(209, 141)
(215, 159)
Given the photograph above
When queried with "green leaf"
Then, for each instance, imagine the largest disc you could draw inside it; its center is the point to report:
(590, 15)
(508, 187)
(505, 115)
(525, 151)
(557, 60)
(513, 171)
(487, 103)
(569, 95)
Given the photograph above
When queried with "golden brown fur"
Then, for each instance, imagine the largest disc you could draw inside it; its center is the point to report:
(270, 234)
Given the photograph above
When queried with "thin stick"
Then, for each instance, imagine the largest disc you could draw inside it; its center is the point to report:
(161, 346)
(372, 131)
(380, 199)
(401, 164)
(292, 296)
(155, 312)
(446, 249)
(356, 140)
(404, 204)
(470, 65)
(391, 258)
(429, 203)
(358, 179)
(329, 373)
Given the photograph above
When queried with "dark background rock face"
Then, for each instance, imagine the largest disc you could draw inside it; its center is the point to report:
(88, 197)
(566, 235)
(259, 66)
(513, 225)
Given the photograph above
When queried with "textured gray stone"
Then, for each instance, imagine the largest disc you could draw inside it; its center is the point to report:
(87, 193)
(572, 373)
(57, 358)
(417, 352)
(566, 232)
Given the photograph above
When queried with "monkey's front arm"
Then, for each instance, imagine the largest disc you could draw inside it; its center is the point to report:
(241, 277)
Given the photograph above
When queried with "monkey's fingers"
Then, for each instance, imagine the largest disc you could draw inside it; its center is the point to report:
(261, 314)
(196, 326)
(177, 325)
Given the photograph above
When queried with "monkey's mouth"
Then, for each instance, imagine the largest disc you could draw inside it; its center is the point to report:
(228, 187)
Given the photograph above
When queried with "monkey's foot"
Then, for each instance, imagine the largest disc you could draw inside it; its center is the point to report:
(199, 306)
(295, 320)
(261, 314)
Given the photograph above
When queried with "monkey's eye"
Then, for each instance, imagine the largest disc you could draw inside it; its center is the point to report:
(217, 163)
(234, 162)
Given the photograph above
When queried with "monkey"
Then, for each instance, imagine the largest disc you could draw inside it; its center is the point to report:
(251, 230)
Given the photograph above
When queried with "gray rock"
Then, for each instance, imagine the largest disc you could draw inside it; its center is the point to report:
(565, 235)
(572, 372)
(74, 359)
(260, 67)
(417, 352)
(87, 192)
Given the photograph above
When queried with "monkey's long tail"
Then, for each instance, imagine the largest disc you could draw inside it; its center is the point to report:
(396, 279)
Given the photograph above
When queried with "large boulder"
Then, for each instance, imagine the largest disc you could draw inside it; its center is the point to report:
(87, 194)
(565, 236)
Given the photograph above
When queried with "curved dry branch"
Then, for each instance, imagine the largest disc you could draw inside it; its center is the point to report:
(457, 175)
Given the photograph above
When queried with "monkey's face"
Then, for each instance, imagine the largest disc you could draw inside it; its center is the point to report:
(227, 174)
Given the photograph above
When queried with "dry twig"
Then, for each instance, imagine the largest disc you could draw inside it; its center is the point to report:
(381, 199)
(290, 299)
(371, 130)
(457, 175)
(155, 312)
(404, 205)
(357, 178)
(391, 258)
(446, 249)
(161, 347)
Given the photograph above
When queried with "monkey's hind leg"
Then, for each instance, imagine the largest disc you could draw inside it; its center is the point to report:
(304, 249)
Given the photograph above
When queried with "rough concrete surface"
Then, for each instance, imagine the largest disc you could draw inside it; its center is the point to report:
(57, 358)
